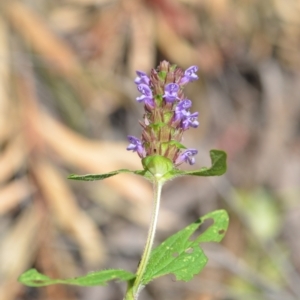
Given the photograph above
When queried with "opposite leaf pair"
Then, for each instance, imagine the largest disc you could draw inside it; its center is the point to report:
(159, 166)
(178, 255)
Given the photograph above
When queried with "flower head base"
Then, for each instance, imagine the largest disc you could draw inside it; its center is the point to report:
(167, 113)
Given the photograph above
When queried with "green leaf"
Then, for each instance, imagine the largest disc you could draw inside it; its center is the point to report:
(33, 278)
(218, 161)
(92, 177)
(182, 256)
(219, 167)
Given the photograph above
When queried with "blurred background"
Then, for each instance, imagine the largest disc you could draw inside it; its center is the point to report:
(67, 103)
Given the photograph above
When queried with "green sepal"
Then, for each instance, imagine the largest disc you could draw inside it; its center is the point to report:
(164, 147)
(162, 75)
(157, 165)
(177, 144)
(173, 67)
(35, 279)
(157, 125)
(158, 100)
(180, 254)
(168, 116)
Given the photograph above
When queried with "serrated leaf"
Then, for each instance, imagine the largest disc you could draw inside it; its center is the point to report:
(181, 256)
(35, 279)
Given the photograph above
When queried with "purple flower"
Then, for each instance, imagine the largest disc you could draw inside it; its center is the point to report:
(181, 109)
(190, 120)
(189, 75)
(171, 91)
(142, 78)
(136, 145)
(147, 95)
(186, 156)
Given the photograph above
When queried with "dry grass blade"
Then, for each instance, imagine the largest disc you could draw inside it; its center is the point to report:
(92, 2)
(12, 158)
(18, 249)
(167, 36)
(141, 51)
(4, 78)
(13, 193)
(106, 41)
(95, 157)
(69, 216)
(34, 31)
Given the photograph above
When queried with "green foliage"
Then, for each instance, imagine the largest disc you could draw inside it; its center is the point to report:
(218, 159)
(218, 167)
(33, 278)
(178, 255)
(260, 210)
(162, 166)
(182, 256)
(92, 177)
(157, 165)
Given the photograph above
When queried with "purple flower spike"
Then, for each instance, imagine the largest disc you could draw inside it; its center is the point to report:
(181, 109)
(184, 104)
(136, 145)
(190, 120)
(187, 156)
(171, 91)
(142, 78)
(147, 95)
(189, 75)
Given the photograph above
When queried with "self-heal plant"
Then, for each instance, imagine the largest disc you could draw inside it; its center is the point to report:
(167, 116)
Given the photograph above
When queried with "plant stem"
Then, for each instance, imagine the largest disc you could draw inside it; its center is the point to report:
(137, 285)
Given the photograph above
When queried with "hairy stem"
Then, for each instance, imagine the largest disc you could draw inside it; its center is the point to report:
(133, 291)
